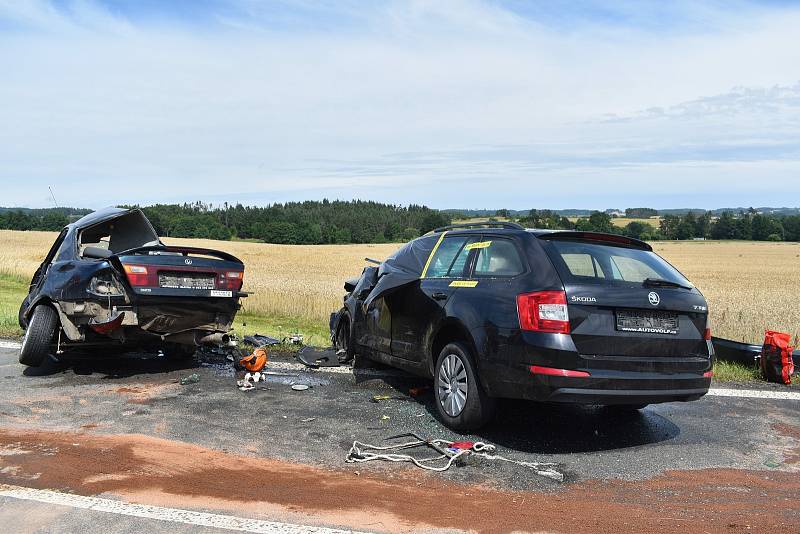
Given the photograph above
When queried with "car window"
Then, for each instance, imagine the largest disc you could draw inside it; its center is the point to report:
(450, 258)
(497, 257)
(583, 265)
(601, 263)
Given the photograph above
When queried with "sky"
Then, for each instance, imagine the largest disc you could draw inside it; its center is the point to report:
(480, 104)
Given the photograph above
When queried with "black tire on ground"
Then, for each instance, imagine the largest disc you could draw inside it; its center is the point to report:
(344, 341)
(461, 400)
(38, 336)
(178, 351)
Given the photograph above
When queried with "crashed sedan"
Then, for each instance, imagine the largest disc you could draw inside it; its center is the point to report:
(109, 281)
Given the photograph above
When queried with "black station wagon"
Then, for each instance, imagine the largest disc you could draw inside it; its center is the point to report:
(499, 311)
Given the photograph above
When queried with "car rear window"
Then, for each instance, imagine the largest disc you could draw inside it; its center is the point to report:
(600, 263)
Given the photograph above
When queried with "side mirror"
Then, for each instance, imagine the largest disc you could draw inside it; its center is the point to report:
(97, 253)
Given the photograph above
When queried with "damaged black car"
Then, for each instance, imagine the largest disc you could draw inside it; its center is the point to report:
(109, 281)
(499, 311)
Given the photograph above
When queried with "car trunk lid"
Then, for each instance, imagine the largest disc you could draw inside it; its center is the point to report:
(182, 271)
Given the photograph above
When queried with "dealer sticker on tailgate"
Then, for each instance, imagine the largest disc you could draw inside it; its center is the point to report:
(217, 293)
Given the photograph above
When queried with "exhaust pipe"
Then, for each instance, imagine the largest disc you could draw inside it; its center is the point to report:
(217, 338)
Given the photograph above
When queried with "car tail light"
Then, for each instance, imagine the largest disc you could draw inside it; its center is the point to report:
(231, 280)
(708, 374)
(707, 331)
(552, 371)
(137, 275)
(543, 311)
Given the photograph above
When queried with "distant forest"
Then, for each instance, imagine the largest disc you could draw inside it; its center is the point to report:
(745, 225)
(311, 222)
(316, 222)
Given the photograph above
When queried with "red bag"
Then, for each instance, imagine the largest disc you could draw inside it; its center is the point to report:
(776, 357)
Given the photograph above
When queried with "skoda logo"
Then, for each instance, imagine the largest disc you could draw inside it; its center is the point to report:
(654, 299)
(187, 261)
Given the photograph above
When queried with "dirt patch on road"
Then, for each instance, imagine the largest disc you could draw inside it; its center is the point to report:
(159, 471)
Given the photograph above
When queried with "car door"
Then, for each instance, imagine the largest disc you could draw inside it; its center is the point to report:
(487, 298)
(416, 308)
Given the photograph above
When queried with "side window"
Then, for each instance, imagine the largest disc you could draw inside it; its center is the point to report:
(450, 258)
(497, 257)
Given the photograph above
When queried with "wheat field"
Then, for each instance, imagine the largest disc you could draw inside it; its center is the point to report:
(750, 286)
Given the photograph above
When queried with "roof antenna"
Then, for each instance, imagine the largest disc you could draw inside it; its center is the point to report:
(52, 195)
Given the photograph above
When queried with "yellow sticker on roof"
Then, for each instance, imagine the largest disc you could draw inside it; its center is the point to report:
(479, 244)
(463, 283)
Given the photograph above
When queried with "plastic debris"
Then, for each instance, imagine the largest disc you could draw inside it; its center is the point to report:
(449, 452)
(300, 387)
(257, 340)
(193, 378)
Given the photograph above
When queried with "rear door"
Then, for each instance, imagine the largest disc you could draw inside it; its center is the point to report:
(626, 302)
(418, 307)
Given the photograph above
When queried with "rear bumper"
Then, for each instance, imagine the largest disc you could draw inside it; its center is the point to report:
(612, 388)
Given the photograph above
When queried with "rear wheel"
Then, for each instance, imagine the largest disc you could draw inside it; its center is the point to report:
(460, 399)
(38, 336)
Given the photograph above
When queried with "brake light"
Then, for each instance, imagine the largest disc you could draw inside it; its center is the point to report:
(544, 311)
(552, 371)
(707, 334)
(137, 275)
(231, 280)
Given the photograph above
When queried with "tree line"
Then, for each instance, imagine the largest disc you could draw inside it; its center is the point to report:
(745, 225)
(319, 222)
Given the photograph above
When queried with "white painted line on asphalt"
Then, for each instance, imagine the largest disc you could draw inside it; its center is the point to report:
(9, 344)
(173, 515)
(754, 394)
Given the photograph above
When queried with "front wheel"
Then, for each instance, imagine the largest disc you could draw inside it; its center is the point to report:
(460, 399)
(345, 351)
(38, 336)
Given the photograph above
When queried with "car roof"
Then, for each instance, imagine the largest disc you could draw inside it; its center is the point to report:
(546, 234)
(99, 216)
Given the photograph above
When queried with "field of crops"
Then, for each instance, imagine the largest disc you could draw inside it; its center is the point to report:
(750, 286)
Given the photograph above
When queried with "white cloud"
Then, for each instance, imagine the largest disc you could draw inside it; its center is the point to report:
(389, 100)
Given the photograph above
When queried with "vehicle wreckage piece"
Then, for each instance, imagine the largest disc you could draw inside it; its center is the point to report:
(743, 353)
(108, 280)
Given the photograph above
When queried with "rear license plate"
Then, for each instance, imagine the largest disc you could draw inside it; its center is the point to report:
(185, 280)
(647, 322)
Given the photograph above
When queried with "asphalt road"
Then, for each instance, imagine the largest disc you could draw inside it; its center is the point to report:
(123, 428)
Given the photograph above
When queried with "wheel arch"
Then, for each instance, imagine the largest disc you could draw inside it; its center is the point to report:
(449, 331)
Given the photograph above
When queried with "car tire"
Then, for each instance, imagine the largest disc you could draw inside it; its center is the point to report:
(344, 340)
(461, 400)
(38, 336)
(179, 351)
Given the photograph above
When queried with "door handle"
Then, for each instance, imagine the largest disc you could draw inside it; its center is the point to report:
(439, 296)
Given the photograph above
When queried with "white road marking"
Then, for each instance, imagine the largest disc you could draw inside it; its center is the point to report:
(173, 515)
(378, 373)
(754, 394)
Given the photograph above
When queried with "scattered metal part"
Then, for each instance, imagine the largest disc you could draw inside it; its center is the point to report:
(300, 387)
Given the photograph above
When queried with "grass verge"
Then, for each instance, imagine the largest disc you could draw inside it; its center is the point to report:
(12, 291)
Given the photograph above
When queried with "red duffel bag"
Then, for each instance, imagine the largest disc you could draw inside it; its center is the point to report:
(776, 357)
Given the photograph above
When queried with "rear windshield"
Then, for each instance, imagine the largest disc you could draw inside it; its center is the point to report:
(598, 263)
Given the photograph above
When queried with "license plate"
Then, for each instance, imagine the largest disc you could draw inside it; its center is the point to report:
(647, 322)
(181, 280)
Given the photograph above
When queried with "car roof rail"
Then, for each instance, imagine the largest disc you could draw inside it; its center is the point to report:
(484, 224)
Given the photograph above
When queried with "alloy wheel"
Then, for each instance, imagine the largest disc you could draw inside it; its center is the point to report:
(452, 384)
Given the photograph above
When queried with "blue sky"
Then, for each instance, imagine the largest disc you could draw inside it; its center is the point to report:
(453, 104)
